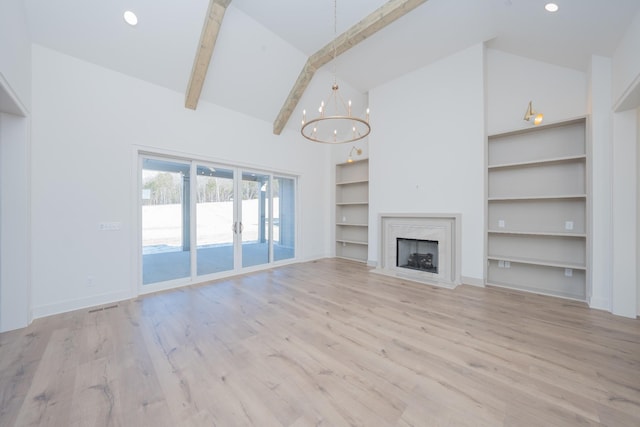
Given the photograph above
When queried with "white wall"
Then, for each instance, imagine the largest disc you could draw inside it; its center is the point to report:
(599, 105)
(15, 241)
(637, 213)
(86, 121)
(626, 100)
(626, 61)
(15, 98)
(427, 150)
(512, 81)
(624, 218)
(15, 50)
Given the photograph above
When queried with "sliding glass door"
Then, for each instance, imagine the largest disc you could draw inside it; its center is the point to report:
(166, 243)
(255, 214)
(284, 218)
(237, 219)
(215, 218)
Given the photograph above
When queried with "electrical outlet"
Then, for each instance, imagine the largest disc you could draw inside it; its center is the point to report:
(568, 225)
(568, 272)
(501, 223)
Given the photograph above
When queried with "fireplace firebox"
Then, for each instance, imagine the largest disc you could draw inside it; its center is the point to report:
(417, 254)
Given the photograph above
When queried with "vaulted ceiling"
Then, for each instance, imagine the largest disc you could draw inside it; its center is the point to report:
(263, 45)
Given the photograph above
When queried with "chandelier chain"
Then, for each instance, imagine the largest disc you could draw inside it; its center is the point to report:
(335, 34)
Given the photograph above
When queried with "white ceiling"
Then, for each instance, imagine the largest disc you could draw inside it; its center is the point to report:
(263, 44)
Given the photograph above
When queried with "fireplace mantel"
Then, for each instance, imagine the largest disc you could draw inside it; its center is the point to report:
(444, 228)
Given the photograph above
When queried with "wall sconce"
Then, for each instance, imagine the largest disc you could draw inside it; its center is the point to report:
(532, 116)
(358, 152)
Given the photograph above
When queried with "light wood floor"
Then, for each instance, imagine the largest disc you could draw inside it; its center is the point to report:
(324, 343)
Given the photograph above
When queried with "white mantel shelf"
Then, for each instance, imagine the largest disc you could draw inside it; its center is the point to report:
(447, 228)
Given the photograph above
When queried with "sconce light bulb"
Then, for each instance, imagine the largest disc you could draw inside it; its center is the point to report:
(538, 119)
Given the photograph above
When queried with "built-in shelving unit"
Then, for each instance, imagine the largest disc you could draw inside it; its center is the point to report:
(352, 210)
(537, 236)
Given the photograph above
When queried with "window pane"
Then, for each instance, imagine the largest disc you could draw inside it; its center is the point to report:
(255, 219)
(165, 221)
(284, 218)
(214, 213)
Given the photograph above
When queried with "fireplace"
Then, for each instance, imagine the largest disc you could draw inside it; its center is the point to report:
(417, 254)
(421, 247)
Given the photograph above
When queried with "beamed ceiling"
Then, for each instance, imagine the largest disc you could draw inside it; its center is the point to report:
(247, 55)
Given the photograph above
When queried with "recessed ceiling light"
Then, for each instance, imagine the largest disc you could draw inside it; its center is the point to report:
(551, 7)
(130, 18)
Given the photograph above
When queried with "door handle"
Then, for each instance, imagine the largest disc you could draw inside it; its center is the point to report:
(234, 227)
(241, 227)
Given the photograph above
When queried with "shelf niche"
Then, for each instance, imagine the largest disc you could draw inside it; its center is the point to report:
(537, 222)
(352, 210)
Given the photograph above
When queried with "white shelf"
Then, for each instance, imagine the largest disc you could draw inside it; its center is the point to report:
(359, 181)
(535, 233)
(563, 124)
(346, 224)
(349, 258)
(530, 261)
(352, 242)
(550, 197)
(533, 290)
(351, 203)
(533, 163)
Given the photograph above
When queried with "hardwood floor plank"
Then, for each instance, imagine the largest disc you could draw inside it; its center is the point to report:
(49, 398)
(325, 343)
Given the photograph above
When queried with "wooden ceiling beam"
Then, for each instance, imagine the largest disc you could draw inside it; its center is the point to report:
(208, 37)
(374, 22)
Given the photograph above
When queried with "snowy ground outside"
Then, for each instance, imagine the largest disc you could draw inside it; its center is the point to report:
(162, 224)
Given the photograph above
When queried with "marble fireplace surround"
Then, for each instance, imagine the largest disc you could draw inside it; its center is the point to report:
(443, 228)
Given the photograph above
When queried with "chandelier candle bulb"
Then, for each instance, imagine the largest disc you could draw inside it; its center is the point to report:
(349, 108)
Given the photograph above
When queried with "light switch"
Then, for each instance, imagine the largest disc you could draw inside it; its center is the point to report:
(109, 226)
(501, 264)
(501, 223)
(568, 272)
(568, 225)
(507, 264)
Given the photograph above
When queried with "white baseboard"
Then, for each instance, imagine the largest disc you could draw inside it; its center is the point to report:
(372, 263)
(315, 257)
(600, 303)
(78, 304)
(472, 281)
